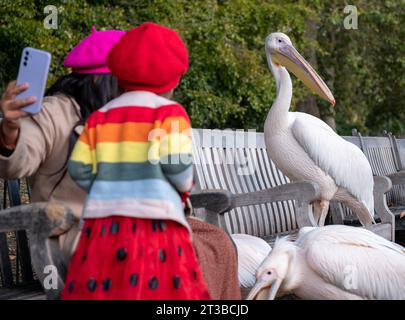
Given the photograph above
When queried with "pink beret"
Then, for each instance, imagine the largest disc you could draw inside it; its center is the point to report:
(90, 55)
(150, 57)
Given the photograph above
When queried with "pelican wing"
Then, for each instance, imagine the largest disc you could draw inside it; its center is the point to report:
(356, 260)
(251, 253)
(340, 159)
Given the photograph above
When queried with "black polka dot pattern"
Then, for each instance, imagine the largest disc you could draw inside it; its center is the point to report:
(92, 285)
(87, 232)
(176, 282)
(114, 262)
(133, 279)
(162, 225)
(71, 286)
(115, 227)
(106, 284)
(121, 254)
(103, 230)
(162, 255)
(154, 225)
(153, 283)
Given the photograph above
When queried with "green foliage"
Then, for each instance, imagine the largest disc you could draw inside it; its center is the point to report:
(228, 84)
(21, 25)
(367, 65)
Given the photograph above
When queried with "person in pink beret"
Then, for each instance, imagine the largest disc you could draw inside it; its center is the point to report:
(38, 146)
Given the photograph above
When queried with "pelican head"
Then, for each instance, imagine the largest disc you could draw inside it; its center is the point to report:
(281, 53)
(273, 271)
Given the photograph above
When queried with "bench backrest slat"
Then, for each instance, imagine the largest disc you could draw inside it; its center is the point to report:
(379, 151)
(398, 146)
(238, 162)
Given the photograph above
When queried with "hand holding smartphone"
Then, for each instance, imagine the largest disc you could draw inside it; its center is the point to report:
(34, 68)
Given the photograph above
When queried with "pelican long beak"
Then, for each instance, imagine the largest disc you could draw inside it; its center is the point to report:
(264, 290)
(290, 58)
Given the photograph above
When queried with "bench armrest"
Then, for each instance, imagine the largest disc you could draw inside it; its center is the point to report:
(220, 201)
(397, 178)
(44, 223)
(381, 186)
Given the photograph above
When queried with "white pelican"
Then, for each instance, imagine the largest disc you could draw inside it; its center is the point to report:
(251, 253)
(333, 262)
(305, 148)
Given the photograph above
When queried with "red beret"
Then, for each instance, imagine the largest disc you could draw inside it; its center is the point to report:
(150, 57)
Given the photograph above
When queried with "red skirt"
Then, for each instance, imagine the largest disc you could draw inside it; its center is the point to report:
(131, 258)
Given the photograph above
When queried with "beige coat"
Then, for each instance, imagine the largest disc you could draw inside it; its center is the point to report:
(41, 153)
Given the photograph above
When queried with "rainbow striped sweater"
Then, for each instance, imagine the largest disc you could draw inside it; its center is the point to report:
(133, 157)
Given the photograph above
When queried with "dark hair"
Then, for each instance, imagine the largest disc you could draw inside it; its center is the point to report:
(91, 91)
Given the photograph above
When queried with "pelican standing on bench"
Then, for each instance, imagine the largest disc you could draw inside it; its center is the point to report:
(305, 148)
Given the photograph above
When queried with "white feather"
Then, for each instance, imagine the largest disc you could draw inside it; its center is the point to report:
(340, 159)
(355, 260)
(251, 252)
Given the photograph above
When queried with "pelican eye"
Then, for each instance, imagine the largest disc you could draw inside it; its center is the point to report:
(279, 40)
(269, 272)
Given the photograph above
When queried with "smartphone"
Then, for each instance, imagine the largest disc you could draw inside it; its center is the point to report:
(34, 68)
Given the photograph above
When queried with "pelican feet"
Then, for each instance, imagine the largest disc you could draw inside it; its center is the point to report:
(321, 208)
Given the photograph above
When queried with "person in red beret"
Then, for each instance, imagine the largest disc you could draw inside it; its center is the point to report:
(134, 160)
